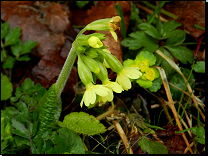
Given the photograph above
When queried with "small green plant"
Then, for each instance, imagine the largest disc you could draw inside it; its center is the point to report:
(12, 49)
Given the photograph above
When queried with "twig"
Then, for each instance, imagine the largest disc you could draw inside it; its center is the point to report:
(167, 89)
(123, 136)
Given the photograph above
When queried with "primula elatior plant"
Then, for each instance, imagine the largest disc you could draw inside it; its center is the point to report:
(93, 57)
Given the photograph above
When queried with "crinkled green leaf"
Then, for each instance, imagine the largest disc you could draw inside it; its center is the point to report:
(82, 123)
(4, 28)
(200, 134)
(178, 81)
(152, 146)
(176, 39)
(9, 63)
(144, 83)
(138, 40)
(199, 67)
(169, 27)
(181, 53)
(146, 55)
(19, 129)
(13, 36)
(6, 87)
(69, 141)
(149, 29)
(160, 61)
(156, 85)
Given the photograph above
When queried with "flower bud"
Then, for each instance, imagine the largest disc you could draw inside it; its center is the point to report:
(91, 63)
(103, 74)
(113, 62)
(95, 42)
(84, 72)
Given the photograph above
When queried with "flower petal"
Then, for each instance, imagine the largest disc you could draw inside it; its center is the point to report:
(114, 35)
(131, 72)
(124, 81)
(115, 86)
(101, 90)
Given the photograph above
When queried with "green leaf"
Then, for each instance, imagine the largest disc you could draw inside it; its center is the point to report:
(24, 58)
(156, 85)
(81, 4)
(19, 129)
(200, 134)
(149, 29)
(159, 26)
(146, 55)
(144, 83)
(21, 141)
(138, 40)
(176, 39)
(6, 88)
(4, 28)
(10, 61)
(13, 36)
(182, 53)
(28, 46)
(199, 67)
(28, 83)
(69, 141)
(169, 27)
(82, 123)
(16, 49)
(152, 146)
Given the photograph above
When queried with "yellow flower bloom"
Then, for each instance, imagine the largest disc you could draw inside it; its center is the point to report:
(150, 74)
(143, 65)
(108, 98)
(89, 96)
(95, 42)
(125, 74)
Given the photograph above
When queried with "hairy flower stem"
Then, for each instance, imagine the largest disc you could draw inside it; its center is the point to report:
(66, 70)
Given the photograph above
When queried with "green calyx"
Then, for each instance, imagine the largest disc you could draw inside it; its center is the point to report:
(84, 72)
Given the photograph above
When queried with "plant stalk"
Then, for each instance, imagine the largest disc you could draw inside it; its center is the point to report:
(65, 72)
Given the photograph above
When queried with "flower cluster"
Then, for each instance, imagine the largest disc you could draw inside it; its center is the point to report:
(93, 57)
(143, 61)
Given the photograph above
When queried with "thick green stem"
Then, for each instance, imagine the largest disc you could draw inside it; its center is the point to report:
(66, 70)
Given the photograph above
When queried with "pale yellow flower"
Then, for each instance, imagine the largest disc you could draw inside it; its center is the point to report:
(125, 74)
(89, 96)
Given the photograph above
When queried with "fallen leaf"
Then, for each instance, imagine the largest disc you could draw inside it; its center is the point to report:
(189, 13)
